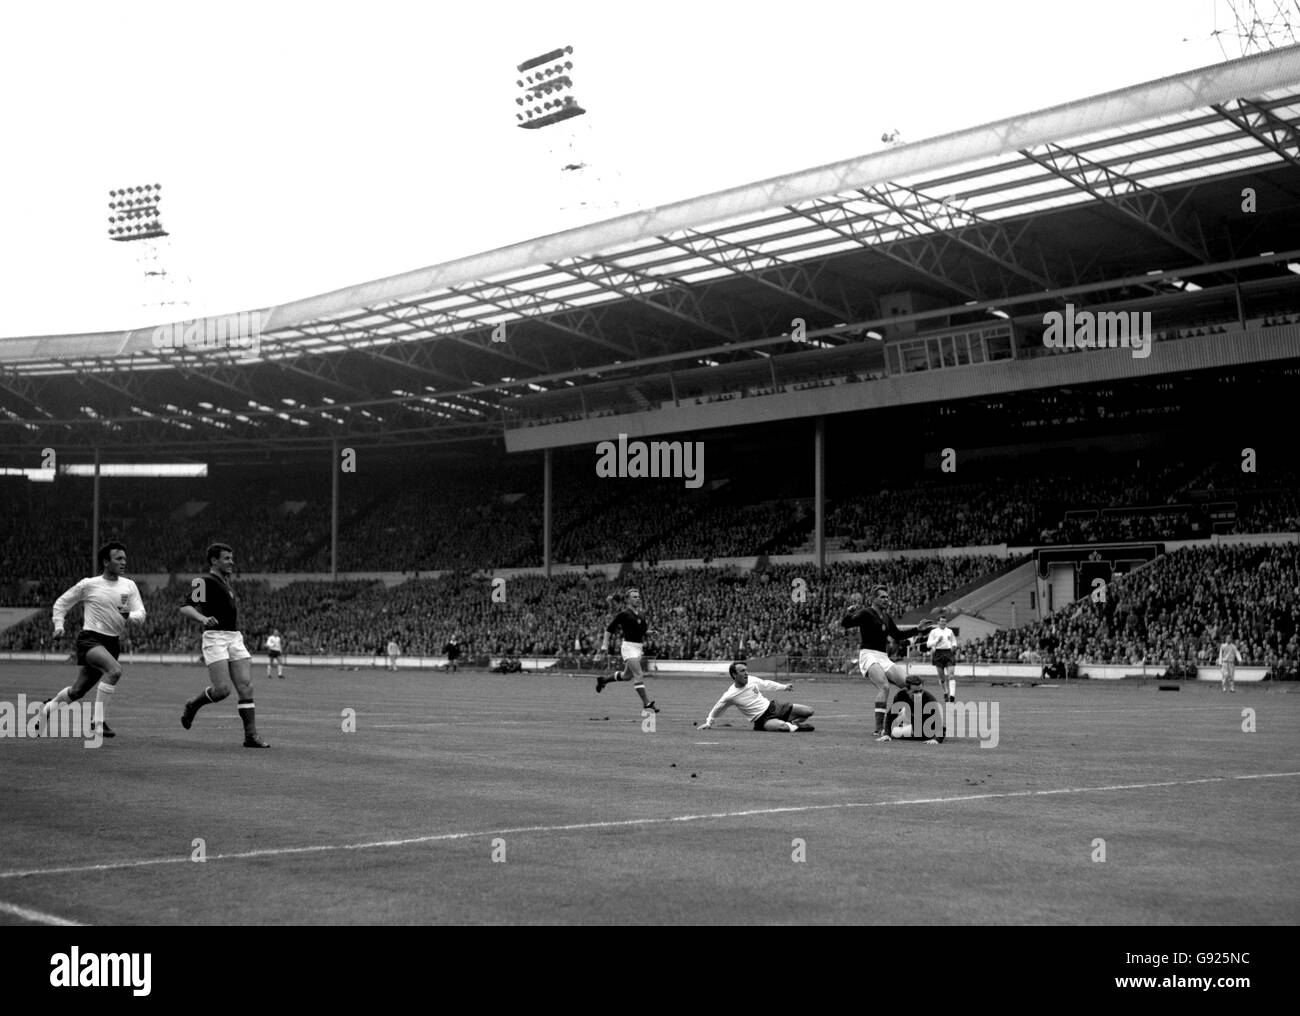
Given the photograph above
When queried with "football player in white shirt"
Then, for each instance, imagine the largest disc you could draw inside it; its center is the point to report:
(111, 600)
(745, 694)
(941, 641)
(1229, 657)
(273, 649)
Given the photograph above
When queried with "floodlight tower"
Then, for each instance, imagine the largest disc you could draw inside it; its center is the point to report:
(548, 106)
(135, 218)
(1258, 25)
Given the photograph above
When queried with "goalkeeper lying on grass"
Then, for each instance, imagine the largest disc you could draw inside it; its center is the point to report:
(746, 695)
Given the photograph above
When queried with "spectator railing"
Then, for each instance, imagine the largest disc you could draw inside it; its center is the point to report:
(779, 668)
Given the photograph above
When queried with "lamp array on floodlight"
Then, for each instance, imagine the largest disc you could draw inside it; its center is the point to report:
(135, 213)
(546, 86)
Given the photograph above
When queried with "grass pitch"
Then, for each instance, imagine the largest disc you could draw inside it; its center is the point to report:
(594, 820)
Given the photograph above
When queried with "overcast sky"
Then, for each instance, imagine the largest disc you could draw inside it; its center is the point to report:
(304, 147)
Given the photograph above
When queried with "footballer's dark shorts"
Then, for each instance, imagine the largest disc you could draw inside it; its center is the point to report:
(273, 654)
(87, 640)
(943, 658)
(775, 711)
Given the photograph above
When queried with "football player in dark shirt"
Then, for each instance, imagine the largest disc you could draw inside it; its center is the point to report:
(877, 627)
(633, 626)
(211, 602)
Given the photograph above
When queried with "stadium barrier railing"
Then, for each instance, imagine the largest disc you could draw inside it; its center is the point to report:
(778, 667)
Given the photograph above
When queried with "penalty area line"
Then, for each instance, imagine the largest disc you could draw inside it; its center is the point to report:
(628, 823)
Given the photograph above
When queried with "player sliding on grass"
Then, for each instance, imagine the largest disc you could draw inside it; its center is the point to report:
(745, 694)
(633, 626)
(877, 627)
(111, 601)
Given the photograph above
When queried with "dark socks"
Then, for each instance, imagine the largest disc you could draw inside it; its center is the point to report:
(246, 713)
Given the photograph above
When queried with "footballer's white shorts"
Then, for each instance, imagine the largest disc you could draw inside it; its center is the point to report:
(224, 645)
(867, 657)
(632, 650)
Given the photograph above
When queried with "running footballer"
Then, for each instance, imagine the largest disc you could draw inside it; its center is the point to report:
(211, 602)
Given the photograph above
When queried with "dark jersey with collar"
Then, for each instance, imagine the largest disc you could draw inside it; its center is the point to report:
(633, 625)
(210, 595)
(877, 628)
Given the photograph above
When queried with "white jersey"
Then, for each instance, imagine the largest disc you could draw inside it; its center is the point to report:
(941, 638)
(1229, 655)
(273, 643)
(104, 600)
(749, 699)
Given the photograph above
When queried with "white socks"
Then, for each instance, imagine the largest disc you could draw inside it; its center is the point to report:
(102, 693)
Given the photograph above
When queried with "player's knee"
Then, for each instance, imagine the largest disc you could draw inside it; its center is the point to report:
(219, 693)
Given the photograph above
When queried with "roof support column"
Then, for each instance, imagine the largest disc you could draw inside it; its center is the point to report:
(94, 523)
(335, 465)
(546, 512)
(819, 492)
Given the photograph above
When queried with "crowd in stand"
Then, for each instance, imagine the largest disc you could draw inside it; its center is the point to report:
(45, 531)
(1169, 614)
(1166, 525)
(963, 515)
(1173, 613)
(468, 523)
(435, 522)
(734, 530)
(432, 522)
(703, 613)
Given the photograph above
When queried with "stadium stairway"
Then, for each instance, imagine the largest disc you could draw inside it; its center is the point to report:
(638, 398)
(993, 599)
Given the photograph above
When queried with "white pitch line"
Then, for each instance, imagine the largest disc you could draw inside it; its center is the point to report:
(37, 917)
(452, 723)
(626, 823)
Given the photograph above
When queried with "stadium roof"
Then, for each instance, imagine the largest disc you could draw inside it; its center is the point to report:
(1085, 197)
